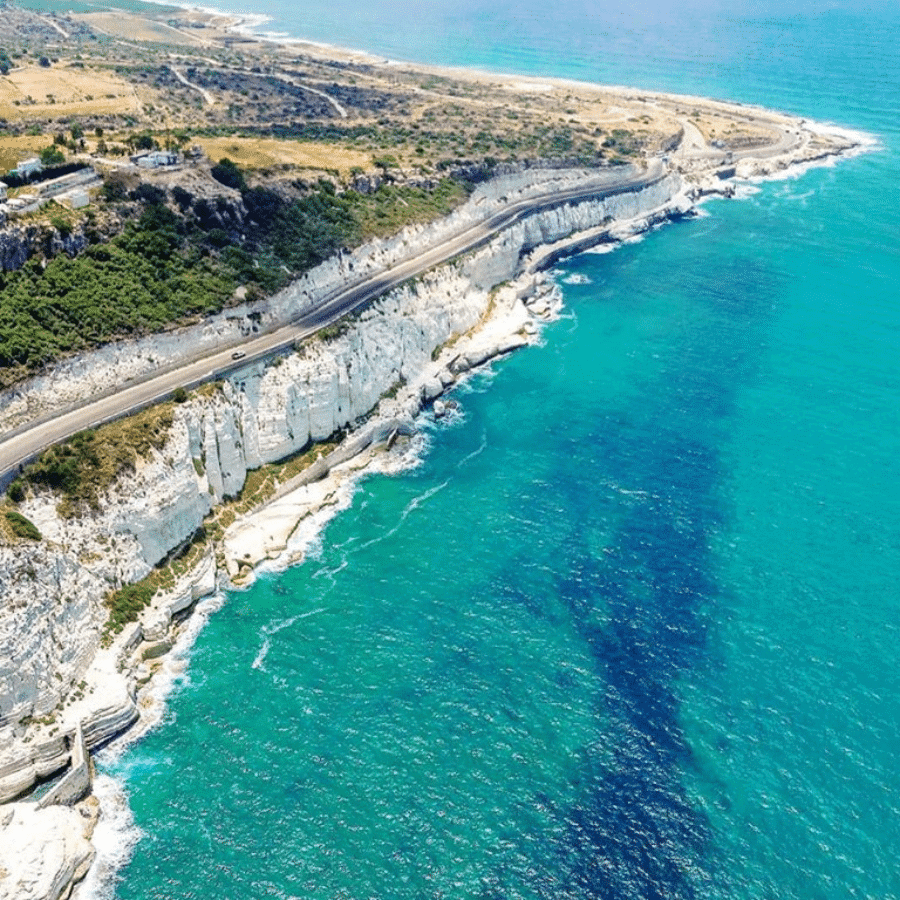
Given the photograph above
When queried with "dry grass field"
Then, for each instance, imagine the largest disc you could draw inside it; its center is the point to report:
(268, 153)
(35, 92)
(137, 28)
(167, 71)
(14, 148)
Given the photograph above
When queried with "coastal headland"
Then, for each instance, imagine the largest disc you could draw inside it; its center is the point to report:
(155, 456)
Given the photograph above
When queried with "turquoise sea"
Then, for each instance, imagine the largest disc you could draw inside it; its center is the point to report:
(629, 630)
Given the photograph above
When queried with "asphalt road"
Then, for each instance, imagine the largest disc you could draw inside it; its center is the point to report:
(25, 442)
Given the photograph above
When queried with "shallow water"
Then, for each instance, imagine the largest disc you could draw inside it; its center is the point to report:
(630, 628)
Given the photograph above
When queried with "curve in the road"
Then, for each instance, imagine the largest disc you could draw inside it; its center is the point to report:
(26, 442)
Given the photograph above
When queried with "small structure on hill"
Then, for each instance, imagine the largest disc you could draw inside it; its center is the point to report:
(27, 168)
(155, 159)
(82, 179)
(76, 199)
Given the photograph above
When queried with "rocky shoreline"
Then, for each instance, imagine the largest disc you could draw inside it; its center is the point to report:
(392, 361)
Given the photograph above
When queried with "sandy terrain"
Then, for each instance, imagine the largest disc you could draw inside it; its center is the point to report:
(191, 68)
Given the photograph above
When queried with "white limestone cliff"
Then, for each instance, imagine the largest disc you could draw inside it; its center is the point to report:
(44, 851)
(53, 673)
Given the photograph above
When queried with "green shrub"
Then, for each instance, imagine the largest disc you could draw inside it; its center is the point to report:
(52, 156)
(21, 526)
(126, 604)
(85, 465)
(62, 225)
(16, 491)
(227, 172)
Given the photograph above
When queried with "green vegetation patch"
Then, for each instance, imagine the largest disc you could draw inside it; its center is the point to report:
(22, 527)
(16, 490)
(393, 207)
(167, 266)
(84, 466)
(139, 282)
(125, 605)
(227, 172)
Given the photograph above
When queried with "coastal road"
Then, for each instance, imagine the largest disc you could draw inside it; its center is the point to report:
(26, 441)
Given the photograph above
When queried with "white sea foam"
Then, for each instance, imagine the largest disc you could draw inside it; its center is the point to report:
(115, 838)
(576, 278)
(262, 653)
(243, 22)
(600, 249)
(305, 543)
(424, 497)
(863, 142)
(410, 507)
(306, 540)
(116, 834)
(476, 452)
(744, 191)
(172, 672)
(787, 194)
(476, 380)
(331, 572)
(271, 630)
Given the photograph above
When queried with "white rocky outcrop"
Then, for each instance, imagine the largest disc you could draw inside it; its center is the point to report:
(44, 851)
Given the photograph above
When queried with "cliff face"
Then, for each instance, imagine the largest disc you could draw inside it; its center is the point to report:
(18, 244)
(51, 592)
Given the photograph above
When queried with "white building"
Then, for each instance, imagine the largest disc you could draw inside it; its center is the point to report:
(156, 158)
(77, 199)
(28, 167)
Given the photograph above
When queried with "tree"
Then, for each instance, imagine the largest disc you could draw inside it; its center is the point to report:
(52, 156)
(227, 173)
